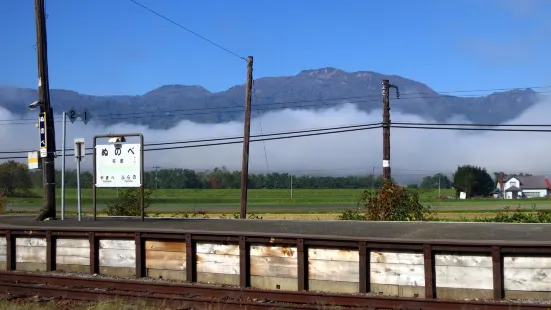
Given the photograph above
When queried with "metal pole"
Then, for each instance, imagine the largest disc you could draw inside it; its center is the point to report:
(64, 136)
(291, 186)
(79, 207)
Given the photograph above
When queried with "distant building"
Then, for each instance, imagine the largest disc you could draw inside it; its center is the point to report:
(525, 187)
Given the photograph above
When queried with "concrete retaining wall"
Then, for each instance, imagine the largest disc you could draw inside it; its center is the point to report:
(402, 273)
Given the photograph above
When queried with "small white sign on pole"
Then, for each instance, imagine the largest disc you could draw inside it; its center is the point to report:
(80, 149)
(32, 160)
(118, 165)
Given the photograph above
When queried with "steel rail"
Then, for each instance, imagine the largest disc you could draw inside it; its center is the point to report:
(166, 299)
(40, 283)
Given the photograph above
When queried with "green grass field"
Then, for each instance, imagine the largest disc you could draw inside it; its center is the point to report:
(269, 197)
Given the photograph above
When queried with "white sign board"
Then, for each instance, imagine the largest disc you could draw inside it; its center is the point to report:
(32, 160)
(118, 165)
(79, 144)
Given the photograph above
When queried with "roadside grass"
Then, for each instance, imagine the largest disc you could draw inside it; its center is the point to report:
(280, 214)
(305, 216)
(267, 197)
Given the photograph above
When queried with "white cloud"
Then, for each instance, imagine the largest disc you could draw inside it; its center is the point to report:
(414, 153)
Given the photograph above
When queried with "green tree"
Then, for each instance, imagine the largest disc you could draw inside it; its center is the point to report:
(223, 178)
(436, 180)
(473, 180)
(14, 177)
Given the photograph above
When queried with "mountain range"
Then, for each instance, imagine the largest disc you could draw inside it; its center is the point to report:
(165, 106)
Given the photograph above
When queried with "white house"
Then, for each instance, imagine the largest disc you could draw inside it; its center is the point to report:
(526, 187)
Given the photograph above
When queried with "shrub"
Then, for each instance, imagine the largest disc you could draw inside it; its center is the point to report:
(518, 216)
(352, 215)
(390, 202)
(195, 214)
(2, 202)
(251, 216)
(128, 202)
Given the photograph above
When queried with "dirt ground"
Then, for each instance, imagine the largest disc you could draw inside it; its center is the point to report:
(12, 302)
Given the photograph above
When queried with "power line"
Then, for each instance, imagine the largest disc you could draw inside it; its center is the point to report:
(474, 125)
(472, 129)
(332, 130)
(231, 142)
(237, 109)
(406, 171)
(269, 106)
(187, 29)
(308, 132)
(261, 131)
(299, 136)
(483, 90)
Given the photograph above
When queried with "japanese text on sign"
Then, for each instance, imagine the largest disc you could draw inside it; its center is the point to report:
(118, 165)
(43, 136)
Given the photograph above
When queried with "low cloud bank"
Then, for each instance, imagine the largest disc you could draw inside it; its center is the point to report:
(414, 153)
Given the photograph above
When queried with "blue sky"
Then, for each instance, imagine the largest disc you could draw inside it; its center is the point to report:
(116, 47)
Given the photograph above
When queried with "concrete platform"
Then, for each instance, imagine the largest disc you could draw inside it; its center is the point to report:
(391, 231)
(405, 259)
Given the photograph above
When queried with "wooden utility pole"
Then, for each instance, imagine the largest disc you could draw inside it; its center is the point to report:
(246, 136)
(386, 127)
(48, 162)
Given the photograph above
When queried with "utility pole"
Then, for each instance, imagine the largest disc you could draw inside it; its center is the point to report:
(48, 162)
(373, 178)
(156, 182)
(439, 186)
(386, 127)
(246, 136)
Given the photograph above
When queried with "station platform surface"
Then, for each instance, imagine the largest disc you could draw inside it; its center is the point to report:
(406, 231)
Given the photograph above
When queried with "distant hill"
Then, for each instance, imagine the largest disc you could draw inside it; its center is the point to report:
(165, 106)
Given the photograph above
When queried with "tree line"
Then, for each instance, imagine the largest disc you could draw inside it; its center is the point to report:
(15, 175)
(221, 178)
(473, 180)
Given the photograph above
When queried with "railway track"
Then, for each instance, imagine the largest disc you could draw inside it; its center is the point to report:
(195, 296)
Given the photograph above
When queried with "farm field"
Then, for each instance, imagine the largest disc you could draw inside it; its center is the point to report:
(268, 200)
